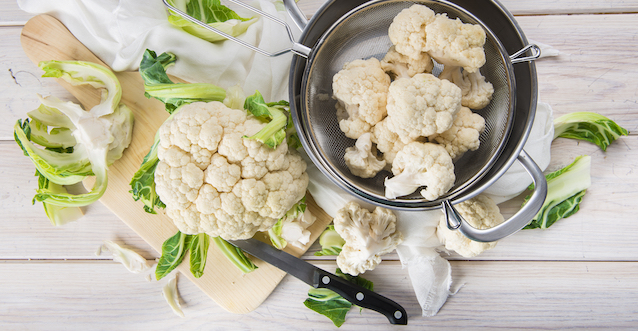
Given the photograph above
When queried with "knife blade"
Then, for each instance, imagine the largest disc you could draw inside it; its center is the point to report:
(319, 278)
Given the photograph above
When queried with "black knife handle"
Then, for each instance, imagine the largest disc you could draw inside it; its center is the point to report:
(361, 296)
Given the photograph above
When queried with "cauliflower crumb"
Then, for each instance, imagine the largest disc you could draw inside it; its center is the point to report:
(422, 106)
(367, 236)
(362, 160)
(421, 164)
(360, 89)
(464, 134)
(216, 182)
(481, 212)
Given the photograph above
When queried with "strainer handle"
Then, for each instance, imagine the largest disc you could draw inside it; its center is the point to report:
(296, 47)
(296, 14)
(456, 222)
(536, 53)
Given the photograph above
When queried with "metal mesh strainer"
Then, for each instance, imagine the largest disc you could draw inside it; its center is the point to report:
(363, 33)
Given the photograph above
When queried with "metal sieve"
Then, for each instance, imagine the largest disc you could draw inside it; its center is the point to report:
(362, 33)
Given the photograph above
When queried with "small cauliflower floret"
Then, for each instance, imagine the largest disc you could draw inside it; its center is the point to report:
(417, 165)
(360, 89)
(362, 160)
(387, 141)
(214, 181)
(452, 42)
(422, 106)
(475, 89)
(482, 213)
(464, 134)
(398, 65)
(407, 30)
(367, 235)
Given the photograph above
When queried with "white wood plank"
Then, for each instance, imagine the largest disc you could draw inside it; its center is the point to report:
(10, 13)
(103, 295)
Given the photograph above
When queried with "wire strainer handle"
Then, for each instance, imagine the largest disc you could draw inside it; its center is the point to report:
(456, 222)
(536, 53)
(296, 14)
(296, 47)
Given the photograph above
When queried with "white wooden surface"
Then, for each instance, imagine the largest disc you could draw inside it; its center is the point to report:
(581, 273)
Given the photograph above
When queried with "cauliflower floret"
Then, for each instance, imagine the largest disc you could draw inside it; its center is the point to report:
(362, 160)
(421, 164)
(476, 90)
(295, 230)
(482, 213)
(452, 42)
(407, 30)
(422, 106)
(214, 181)
(387, 141)
(360, 89)
(464, 134)
(398, 65)
(367, 235)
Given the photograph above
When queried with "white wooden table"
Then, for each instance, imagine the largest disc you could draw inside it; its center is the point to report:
(582, 272)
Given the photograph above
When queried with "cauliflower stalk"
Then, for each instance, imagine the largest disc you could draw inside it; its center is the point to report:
(367, 236)
(360, 89)
(362, 158)
(481, 212)
(215, 180)
(421, 164)
(293, 227)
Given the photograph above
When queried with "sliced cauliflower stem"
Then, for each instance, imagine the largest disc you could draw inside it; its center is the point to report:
(417, 165)
(482, 213)
(367, 235)
(362, 159)
(476, 91)
(215, 181)
(360, 89)
(398, 65)
(422, 106)
(464, 134)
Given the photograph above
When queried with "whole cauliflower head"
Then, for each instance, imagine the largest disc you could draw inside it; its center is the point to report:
(475, 89)
(464, 134)
(368, 236)
(452, 42)
(362, 159)
(215, 181)
(421, 165)
(387, 141)
(422, 106)
(407, 30)
(482, 213)
(398, 65)
(360, 89)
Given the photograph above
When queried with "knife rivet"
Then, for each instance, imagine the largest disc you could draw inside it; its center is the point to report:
(325, 279)
(359, 296)
(398, 314)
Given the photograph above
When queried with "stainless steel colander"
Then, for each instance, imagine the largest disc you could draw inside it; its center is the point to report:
(363, 33)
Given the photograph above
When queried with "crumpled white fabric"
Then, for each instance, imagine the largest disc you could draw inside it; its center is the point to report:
(119, 32)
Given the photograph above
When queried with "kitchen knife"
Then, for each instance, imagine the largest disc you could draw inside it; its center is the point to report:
(319, 278)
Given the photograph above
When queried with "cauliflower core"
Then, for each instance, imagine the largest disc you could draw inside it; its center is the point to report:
(482, 213)
(422, 106)
(360, 89)
(464, 134)
(421, 164)
(214, 181)
(367, 235)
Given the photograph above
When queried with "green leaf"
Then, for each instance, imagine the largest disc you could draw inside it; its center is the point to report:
(330, 241)
(234, 255)
(274, 114)
(211, 12)
(588, 126)
(143, 181)
(158, 85)
(173, 252)
(275, 234)
(565, 190)
(331, 304)
(199, 250)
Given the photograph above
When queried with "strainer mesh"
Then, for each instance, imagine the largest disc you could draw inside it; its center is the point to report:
(364, 34)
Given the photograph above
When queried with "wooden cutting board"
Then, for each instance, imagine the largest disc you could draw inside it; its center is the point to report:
(45, 38)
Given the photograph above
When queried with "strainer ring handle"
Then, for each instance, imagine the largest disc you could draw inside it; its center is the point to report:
(535, 54)
(456, 222)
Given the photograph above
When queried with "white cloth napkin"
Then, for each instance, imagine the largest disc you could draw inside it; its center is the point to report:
(119, 32)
